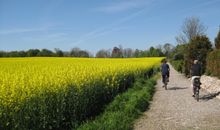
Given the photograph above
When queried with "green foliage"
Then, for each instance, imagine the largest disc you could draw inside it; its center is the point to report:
(178, 65)
(13, 54)
(32, 52)
(152, 52)
(179, 52)
(178, 57)
(168, 48)
(217, 41)
(59, 52)
(197, 49)
(103, 54)
(77, 52)
(45, 53)
(213, 63)
(126, 107)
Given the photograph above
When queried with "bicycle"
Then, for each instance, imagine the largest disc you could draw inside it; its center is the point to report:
(166, 80)
(196, 87)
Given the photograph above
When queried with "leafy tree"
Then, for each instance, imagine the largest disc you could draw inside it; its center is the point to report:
(103, 53)
(168, 48)
(46, 53)
(136, 53)
(32, 52)
(197, 49)
(22, 54)
(3, 54)
(83, 53)
(154, 52)
(13, 54)
(189, 40)
(217, 41)
(179, 51)
(77, 52)
(59, 52)
(151, 52)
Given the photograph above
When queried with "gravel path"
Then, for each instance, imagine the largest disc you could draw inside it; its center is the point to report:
(175, 109)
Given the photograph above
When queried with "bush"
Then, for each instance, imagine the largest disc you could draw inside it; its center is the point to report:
(213, 63)
(178, 65)
(197, 49)
(217, 41)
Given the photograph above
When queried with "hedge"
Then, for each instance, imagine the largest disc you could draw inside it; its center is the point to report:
(213, 63)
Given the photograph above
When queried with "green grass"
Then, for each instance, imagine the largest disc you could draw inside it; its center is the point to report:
(125, 108)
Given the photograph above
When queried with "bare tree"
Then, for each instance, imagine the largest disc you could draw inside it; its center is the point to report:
(191, 27)
(77, 52)
(128, 52)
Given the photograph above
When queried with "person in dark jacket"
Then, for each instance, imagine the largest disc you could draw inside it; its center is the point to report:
(165, 70)
(195, 72)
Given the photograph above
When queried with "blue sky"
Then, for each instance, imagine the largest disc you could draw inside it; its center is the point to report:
(99, 24)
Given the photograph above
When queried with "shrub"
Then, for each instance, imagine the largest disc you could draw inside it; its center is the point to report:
(178, 65)
(213, 63)
(197, 49)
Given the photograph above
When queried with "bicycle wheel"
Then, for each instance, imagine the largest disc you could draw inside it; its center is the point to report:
(165, 84)
(197, 94)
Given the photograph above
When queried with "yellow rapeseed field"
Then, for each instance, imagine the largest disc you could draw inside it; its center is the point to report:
(23, 79)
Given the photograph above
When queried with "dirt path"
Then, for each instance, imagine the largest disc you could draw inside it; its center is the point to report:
(176, 109)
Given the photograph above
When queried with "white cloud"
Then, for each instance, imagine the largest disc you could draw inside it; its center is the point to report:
(20, 30)
(122, 6)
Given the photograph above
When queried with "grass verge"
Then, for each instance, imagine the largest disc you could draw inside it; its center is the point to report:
(125, 108)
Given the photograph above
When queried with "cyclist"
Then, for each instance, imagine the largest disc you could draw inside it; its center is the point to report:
(195, 73)
(165, 70)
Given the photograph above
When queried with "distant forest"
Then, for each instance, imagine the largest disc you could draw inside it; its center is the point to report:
(116, 52)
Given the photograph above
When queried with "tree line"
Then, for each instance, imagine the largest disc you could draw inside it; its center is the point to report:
(120, 52)
(75, 52)
(116, 52)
